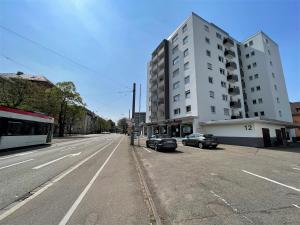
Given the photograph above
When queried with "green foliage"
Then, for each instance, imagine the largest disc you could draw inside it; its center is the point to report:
(123, 125)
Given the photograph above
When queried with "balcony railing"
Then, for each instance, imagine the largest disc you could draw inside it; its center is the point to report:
(234, 90)
(232, 78)
(235, 104)
(228, 42)
(231, 66)
(229, 54)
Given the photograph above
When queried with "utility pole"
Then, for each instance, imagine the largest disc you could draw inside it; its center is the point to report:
(139, 114)
(132, 115)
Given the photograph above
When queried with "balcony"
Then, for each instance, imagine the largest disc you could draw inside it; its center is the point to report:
(161, 52)
(232, 78)
(234, 90)
(161, 62)
(228, 42)
(236, 117)
(231, 66)
(229, 54)
(235, 104)
(154, 88)
(154, 59)
(161, 73)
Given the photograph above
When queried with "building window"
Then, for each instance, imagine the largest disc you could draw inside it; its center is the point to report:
(223, 84)
(177, 111)
(220, 47)
(176, 60)
(176, 85)
(258, 88)
(209, 66)
(247, 56)
(208, 53)
(277, 99)
(185, 40)
(211, 94)
(273, 75)
(175, 49)
(269, 52)
(218, 35)
(206, 28)
(271, 63)
(255, 113)
(255, 76)
(210, 80)
(267, 41)
(254, 64)
(254, 101)
(175, 38)
(275, 87)
(222, 71)
(226, 112)
(176, 72)
(260, 101)
(207, 40)
(176, 98)
(250, 43)
(213, 109)
(250, 77)
(188, 108)
(186, 66)
(184, 28)
(280, 113)
(221, 59)
(252, 53)
(186, 52)
(225, 97)
(249, 67)
(262, 113)
(245, 45)
(252, 89)
(188, 94)
(187, 80)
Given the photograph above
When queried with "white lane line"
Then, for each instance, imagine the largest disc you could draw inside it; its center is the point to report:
(15, 155)
(297, 206)
(40, 191)
(86, 189)
(146, 149)
(55, 160)
(273, 181)
(296, 168)
(14, 164)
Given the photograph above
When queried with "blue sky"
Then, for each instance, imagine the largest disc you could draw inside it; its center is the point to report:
(115, 38)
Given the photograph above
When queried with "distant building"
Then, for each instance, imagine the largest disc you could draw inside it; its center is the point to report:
(139, 121)
(35, 79)
(295, 107)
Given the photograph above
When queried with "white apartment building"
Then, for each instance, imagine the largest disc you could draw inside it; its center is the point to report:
(200, 74)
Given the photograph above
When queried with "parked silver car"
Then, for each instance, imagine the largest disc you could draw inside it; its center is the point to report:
(200, 140)
(160, 142)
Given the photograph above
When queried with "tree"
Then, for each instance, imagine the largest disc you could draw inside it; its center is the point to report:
(123, 125)
(68, 96)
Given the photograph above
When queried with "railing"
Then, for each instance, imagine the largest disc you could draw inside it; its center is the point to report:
(229, 54)
(232, 78)
(234, 90)
(235, 104)
(228, 42)
(231, 66)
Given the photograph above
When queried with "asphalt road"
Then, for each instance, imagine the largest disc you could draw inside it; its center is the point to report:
(232, 185)
(84, 180)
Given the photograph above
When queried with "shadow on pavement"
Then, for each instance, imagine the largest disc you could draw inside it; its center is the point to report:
(11, 151)
(292, 147)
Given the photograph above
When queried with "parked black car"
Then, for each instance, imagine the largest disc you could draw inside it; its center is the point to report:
(200, 140)
(160, 142)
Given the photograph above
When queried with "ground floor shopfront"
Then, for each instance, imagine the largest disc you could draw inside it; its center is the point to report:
(174, 128)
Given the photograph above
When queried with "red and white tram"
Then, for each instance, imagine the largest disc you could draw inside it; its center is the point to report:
(20, 128)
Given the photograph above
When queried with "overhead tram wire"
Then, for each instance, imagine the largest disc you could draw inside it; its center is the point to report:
(17, 63)
(56, 53)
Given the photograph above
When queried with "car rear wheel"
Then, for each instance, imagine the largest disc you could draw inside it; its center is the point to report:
(156, 148)
(147, 145)
(200, 145)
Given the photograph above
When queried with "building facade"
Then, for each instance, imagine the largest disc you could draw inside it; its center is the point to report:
(200, 73)
(295, 107)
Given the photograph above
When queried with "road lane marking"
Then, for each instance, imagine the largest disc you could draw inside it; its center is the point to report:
(147, 149)
(55, 160)
(273, 181)
(16, 155)
(14, 164)
(86, 189)
(40, 191)
(296, 206)
(296, 168)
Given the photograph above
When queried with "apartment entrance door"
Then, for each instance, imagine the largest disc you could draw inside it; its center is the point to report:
(266, 137)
